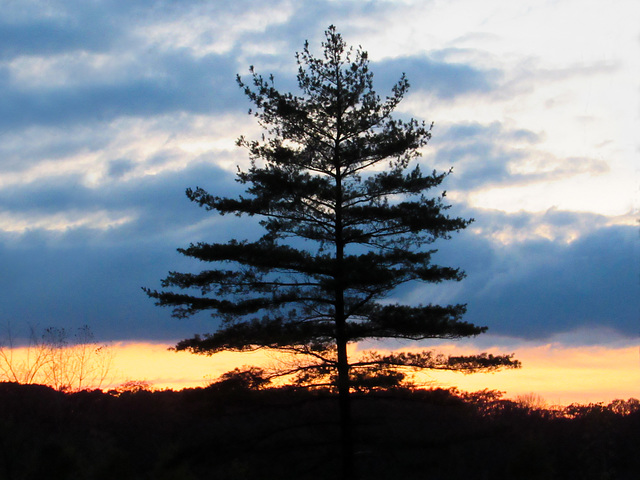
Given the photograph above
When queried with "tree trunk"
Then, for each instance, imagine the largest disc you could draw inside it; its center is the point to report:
(344, 400)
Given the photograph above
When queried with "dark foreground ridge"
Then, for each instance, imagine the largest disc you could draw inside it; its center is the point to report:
(227, 431)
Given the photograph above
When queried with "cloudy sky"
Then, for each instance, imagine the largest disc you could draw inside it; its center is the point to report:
(110, 109)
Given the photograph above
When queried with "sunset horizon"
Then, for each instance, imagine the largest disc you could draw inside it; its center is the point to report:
(111, 111)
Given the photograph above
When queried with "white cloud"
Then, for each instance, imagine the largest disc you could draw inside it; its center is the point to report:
(60, 222)
(73, 69)
(607, 194)
(209, 28)
(151, 145)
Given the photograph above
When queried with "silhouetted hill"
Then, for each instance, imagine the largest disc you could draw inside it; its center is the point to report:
(229, 432)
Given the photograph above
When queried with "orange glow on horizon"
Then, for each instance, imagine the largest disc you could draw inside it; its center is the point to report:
(163, 368)
(559, 374)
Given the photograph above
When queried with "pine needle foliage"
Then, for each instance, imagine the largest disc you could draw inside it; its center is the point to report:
(348, 215)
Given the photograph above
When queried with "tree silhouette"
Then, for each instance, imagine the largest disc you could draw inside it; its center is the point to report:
(336, 182)
(57, 359)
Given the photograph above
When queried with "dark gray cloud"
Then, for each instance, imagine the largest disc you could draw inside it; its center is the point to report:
(591, 282)
(537, 287)
(59, 27)
(531, 288)
(445, 80)
(425, 74)
(107, 26)
(166, 75)
(180, 83)
(98, 285)
(90, 276)
(157, 202)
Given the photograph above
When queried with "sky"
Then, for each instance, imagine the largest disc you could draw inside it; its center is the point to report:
(111, 109)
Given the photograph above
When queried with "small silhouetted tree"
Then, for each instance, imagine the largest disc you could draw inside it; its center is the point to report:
(75, 363)
(54, 358)
(344, 203)
(26, 368)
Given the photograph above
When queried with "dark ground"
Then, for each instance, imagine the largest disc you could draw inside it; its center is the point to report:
(229, 432)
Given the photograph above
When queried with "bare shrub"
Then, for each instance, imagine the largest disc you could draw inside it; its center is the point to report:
(56, 359)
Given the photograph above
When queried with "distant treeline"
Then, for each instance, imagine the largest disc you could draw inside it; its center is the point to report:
(230, 431)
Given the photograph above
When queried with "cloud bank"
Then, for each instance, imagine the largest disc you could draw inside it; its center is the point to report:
(111, 109)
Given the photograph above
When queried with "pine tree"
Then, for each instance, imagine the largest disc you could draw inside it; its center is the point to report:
(337, 184)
